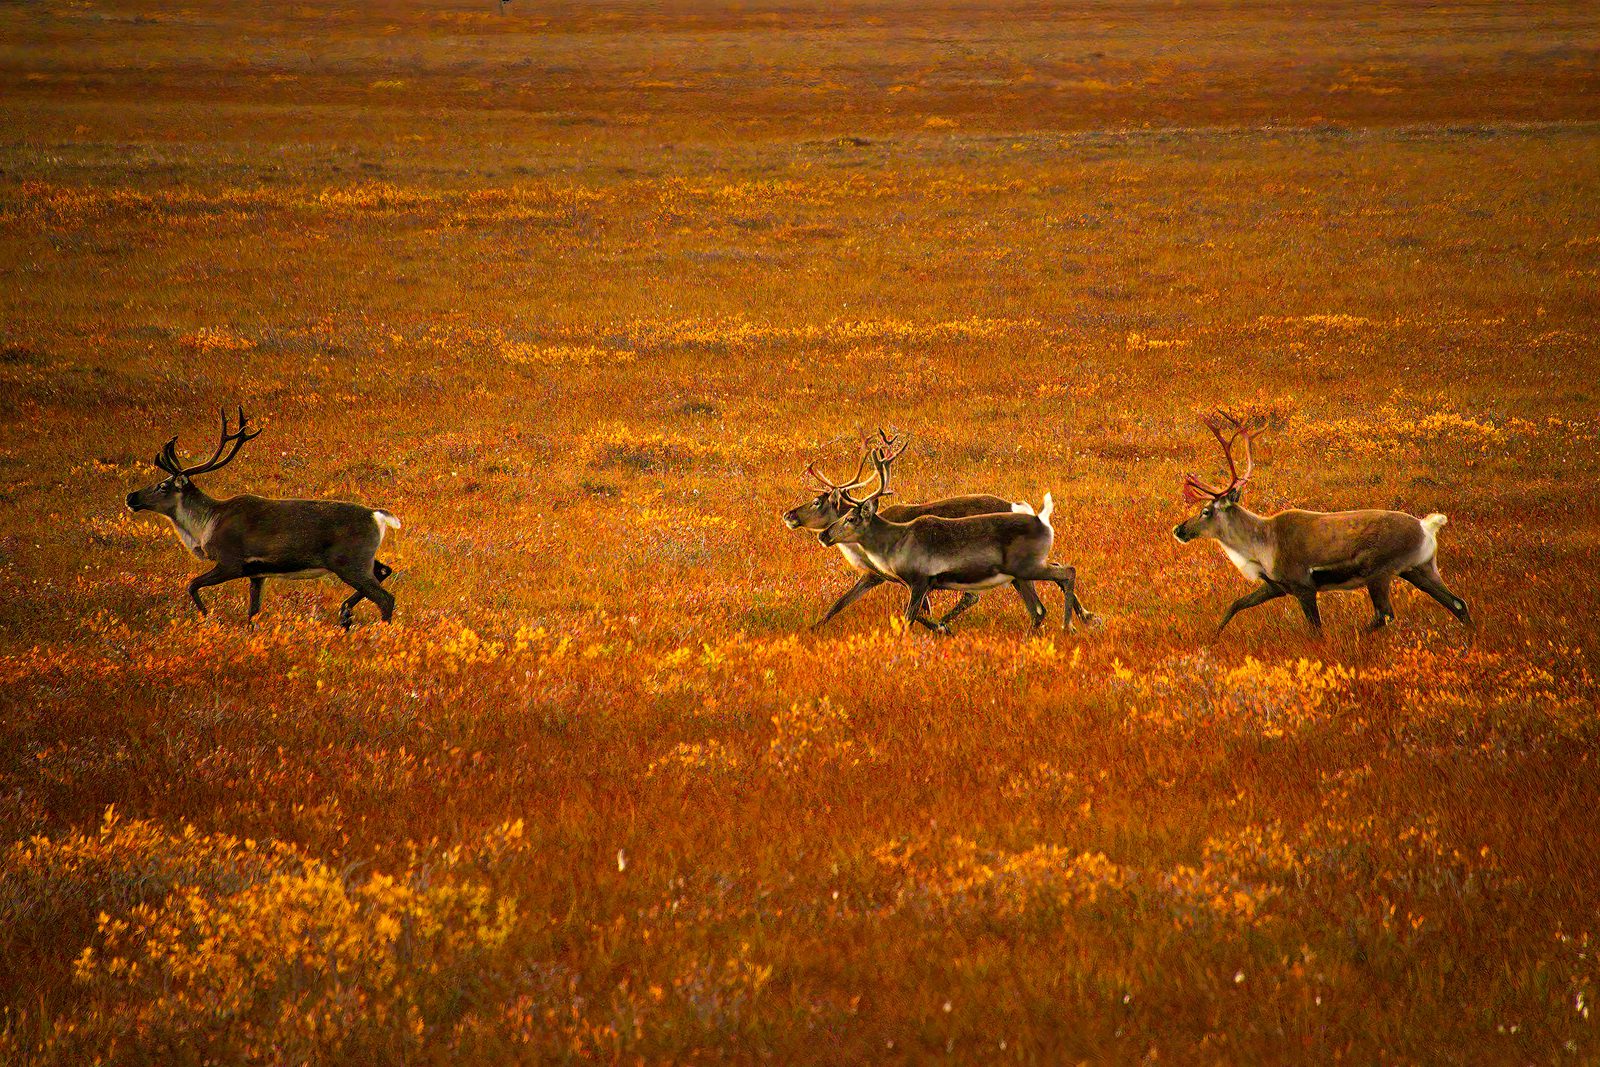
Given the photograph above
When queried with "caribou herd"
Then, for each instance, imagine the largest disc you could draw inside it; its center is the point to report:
(965, 544)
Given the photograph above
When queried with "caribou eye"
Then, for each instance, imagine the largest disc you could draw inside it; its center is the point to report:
(1211, 509)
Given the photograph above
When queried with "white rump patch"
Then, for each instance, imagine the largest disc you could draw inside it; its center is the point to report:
(1430, 537)
(1023, 508)
(386, 522)
(1044, 512)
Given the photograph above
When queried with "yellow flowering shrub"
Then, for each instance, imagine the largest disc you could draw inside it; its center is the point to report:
(213, 339)
(812, 734)
(1397, 428)
(121, 530)
(304, 964)
(575, 357)
(957, 874)
(54, 888)
(697, 758)
(620, 446)
(1191, 693)
(284, 959)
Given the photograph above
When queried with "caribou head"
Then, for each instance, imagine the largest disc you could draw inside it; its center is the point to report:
(1216, 516)
(168, 496)
(830, 505)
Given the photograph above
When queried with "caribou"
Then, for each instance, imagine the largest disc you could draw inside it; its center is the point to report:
(834, 502)
(1304, 553)
(966, 554)
(256, 538)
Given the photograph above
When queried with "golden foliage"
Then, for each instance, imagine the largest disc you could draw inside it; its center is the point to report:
(577, 293)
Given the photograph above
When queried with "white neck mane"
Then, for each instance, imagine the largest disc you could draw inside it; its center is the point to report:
(193, 525)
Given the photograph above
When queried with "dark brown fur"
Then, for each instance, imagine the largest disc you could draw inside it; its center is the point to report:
(256, 538)
(965, 554)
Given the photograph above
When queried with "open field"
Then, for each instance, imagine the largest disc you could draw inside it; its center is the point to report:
(577, 292)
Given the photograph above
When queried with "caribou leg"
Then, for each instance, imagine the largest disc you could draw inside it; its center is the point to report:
(1382, 607)
(256, 582)
(866, 584)
(1073, 604)
(1065, 577)
(222, 572)
(1426, 578)
(914, 608)
(967, 600)
(1084, 613)
(1260, 595)
(1308, 604)
(380, 572)
(1030, 600)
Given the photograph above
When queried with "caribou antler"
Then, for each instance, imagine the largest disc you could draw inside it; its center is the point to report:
(891, 447)
(1195, 491)
(169, 462)
(1218, 422)
(168, 465)
(883, 457)
(856, 481)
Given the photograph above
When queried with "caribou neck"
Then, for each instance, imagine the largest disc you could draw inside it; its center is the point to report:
(860, 559)
(880, 537)
(1248, 540)
(192, 517)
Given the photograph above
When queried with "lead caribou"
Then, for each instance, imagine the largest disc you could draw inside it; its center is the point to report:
(256, 538)
(964, 554)
(1303, 553)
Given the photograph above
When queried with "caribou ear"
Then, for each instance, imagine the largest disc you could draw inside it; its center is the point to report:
(1231, 497)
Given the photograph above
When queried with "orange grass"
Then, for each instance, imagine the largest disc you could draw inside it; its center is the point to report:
(577, 293)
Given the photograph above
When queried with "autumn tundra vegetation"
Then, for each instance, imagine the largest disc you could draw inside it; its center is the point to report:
(578, 291)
